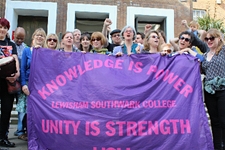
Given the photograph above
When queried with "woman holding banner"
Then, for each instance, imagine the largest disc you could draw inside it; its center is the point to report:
(38, 39)
(151, 42)
(214, 68)
(67, 41)
(128, 34)
(98, 42)
(52, 41)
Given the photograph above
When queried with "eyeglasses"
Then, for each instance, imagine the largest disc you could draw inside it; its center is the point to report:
(128, 31)
(167, 50)
(97, 39)
(54, 40)
(210, 38)
(155, 37)
(186, 39)
(115, 35)
(40, 35)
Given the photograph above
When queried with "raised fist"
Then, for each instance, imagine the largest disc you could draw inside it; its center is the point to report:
(107, 22)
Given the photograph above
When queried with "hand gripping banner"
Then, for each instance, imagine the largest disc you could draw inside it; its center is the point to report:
(97, 102)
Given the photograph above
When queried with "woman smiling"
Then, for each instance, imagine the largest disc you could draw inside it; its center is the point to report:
(52, 41)
(214, 69)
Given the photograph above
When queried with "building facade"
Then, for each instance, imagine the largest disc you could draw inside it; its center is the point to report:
(58, 16)
(215, 8)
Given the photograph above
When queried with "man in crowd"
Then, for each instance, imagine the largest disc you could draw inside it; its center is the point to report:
(140, 38)
(76, 36)
(19, 36)
(115, 35)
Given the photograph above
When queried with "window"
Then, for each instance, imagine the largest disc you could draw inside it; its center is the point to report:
(198, 13)
(90, 21)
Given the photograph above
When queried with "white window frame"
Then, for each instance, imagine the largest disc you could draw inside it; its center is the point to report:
(73, 8)
(167, 13)
(201, 13)
(12, 15)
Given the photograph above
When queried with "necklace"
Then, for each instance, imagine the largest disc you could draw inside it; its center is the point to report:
(212, 53)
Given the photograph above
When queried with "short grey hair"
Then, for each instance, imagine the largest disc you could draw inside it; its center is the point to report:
(76, 30)
(123, 30)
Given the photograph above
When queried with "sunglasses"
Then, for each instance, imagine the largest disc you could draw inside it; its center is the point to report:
(97, 39)
(155, 37)
(54, 40)
(115, 35)
(167, 50)
(186, 39)
(210, 38)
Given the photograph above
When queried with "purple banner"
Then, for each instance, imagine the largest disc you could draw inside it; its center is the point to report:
(97, 102)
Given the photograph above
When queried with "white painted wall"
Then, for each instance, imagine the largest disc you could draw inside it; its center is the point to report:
(167, 13)
(15, 8)
(73, 8)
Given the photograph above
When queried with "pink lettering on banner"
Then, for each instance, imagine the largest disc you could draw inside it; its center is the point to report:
(137, 67)
(178, 84)
(98, 63)
(52, 86)
(80, 70)
(144, 128)
(43, 93)
(174, 124)
(164, 127)
(58, 126)
(108, 63)
(71, 73)
(131, 128)
(121, 124)
(61, 80)
(152, 68)
(91, 128)
(169, 76)
(186, 90)
(96, 130)
(119, 63)
(109, 126)
(160, 72)
(185, 126)
(131, 64)
(74, 125)
(153, 127)
(87, 65)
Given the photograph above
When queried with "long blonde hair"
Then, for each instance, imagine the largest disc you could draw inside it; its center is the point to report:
(146, 39)
(38, 30)
(217, 34)
(50, 35)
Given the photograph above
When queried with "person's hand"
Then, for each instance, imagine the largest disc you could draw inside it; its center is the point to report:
(84, 52)
(107, 22)
(119, 54)
(11, 79)
(108, 29)
(147, 28)
(25, 90)
(37, 46)
(138, 49)
(163, 53)
(183, 50)
(184, 22)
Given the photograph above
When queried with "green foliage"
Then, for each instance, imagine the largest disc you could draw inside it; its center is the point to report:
(207, 23)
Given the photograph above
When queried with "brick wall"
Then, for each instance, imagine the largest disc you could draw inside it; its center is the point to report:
(215, 10)
(183, 10)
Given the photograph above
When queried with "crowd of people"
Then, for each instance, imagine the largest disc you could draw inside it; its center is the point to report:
(207, 46)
